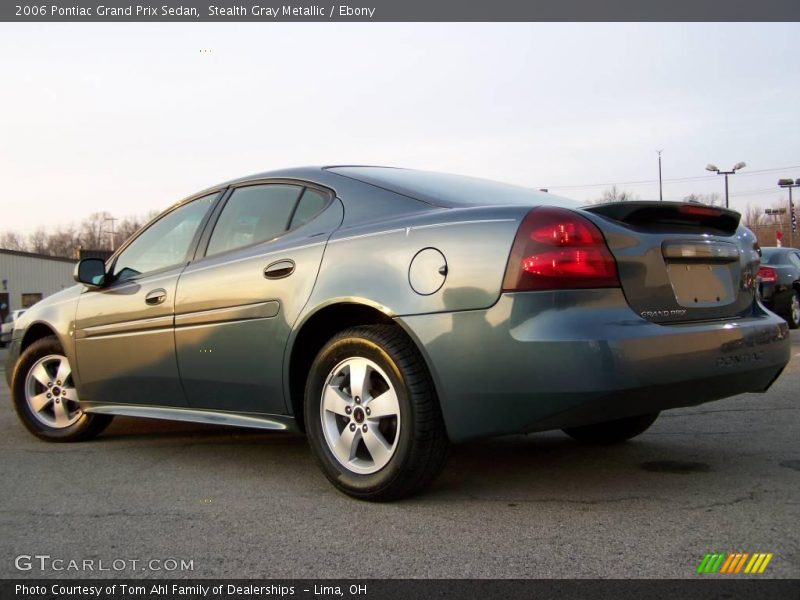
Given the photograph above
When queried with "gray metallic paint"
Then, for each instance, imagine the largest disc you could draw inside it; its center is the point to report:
(237, 364)
(501, 362)
(588, 357)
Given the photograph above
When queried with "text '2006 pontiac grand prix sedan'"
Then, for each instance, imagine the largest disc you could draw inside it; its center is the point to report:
(387, 312)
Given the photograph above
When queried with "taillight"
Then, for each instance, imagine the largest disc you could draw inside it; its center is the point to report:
(557, 249)
(767, 275)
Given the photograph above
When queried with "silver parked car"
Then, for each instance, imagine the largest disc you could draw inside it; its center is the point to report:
(387, 312)
(8, 326)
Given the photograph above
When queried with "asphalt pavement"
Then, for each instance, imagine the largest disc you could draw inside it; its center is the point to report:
(722, 477)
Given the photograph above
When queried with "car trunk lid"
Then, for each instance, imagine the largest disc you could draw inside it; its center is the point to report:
(680, 262)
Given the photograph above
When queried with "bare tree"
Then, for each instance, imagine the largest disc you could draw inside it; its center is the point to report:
(39, 241)
(754, 217)
(616, 195)
(93, 231)
(127, 227)
(63, 242)
(11, 240)
(712, 199)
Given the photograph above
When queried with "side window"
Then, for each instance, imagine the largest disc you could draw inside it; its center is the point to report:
(165, 243)
(253, 214)
(311, 202)
(794, 258)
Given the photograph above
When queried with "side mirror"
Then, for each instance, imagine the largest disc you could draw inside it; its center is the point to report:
(91, 272)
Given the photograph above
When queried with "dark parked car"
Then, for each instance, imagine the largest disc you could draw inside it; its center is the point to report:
(388, 312)
(779, 283)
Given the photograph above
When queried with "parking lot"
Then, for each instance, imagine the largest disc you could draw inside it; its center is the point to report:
(722, 477)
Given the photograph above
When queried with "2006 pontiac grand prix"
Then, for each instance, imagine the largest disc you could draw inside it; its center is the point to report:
(387, 312)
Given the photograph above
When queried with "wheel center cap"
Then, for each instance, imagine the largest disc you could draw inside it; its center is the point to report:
(358, 415)
(56, 391)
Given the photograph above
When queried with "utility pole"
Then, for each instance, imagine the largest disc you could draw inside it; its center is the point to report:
(660, 186)
(112, 232)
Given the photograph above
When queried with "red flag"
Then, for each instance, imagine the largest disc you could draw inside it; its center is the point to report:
(779, 238)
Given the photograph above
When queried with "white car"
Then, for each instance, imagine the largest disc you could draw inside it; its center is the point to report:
(8, 326)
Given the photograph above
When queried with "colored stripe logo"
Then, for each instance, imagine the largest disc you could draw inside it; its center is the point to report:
(734, 563)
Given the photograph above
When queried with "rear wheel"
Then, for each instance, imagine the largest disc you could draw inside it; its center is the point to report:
(612, 432)
(45, 398)
(372, 415)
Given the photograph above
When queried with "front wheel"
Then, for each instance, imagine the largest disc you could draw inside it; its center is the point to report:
(372, 415)
(45, 397)
(612, 432)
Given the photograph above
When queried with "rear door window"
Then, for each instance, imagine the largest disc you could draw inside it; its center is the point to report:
(310, 205)
(253, 214)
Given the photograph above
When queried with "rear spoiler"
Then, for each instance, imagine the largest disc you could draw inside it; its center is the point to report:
(674, 217)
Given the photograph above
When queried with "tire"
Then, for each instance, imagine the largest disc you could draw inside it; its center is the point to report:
(51, 413)
(367, 455)
(612, 432)
(793, 315)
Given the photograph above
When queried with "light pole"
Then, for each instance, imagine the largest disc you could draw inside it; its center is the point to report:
(660, 188)
(715, 169)
(788, 183)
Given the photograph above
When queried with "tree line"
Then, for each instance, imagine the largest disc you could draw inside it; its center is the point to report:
(614, 194)
(98, 231)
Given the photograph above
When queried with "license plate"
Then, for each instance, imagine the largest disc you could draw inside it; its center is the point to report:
(701, 285)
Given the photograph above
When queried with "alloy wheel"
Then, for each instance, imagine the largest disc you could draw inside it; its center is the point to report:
(50, 392)
(360, 415)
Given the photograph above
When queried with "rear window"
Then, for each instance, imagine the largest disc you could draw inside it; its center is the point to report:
(452, 191)
(773, 256)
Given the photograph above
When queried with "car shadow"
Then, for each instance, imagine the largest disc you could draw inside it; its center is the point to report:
(543, 467)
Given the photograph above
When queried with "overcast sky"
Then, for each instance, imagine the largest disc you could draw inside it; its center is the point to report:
(129, 118)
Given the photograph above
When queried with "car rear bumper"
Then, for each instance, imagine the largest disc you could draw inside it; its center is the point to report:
(547, 360)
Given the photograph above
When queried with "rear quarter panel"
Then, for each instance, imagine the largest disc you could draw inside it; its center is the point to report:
(370, 264)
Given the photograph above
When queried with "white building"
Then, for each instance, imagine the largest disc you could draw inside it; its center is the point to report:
(26, 278)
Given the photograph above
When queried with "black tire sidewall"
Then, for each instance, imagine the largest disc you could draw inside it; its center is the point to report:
(334, 353)
(37, 350)
(792, 323)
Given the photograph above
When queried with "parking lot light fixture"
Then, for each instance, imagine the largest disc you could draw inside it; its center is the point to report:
(715, 169)
(790, 184)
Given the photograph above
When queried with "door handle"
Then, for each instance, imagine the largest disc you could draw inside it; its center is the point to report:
(156, 296)
(279, 269)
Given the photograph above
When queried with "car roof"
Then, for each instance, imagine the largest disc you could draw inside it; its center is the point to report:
(447, 189)
(439, 189)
